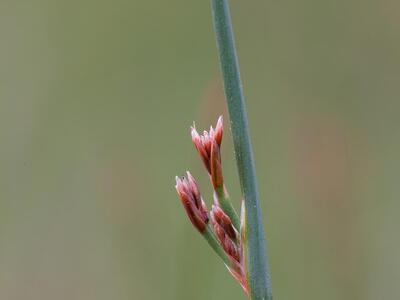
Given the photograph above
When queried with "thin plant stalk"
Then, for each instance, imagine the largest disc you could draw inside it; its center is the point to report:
(255, 244)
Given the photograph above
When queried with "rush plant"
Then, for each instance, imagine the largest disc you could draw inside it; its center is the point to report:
(239, 242)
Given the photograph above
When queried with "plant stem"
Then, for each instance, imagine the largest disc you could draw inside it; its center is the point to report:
(255, 247)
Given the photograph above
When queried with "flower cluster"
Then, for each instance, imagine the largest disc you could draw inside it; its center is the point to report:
(192, 201)
(208, 146)
(224, 232)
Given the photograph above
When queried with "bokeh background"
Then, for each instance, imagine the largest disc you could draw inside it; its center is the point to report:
(96, 98)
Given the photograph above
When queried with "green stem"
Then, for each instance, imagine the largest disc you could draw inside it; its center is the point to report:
(255, 247)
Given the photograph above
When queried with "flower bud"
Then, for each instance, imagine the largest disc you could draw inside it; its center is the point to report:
(192, 201)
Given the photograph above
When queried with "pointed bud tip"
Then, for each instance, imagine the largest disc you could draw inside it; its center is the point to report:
(219, 129)
(190, 178)
(194, 132)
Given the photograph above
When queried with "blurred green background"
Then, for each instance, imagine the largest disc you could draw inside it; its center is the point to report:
(96, 98)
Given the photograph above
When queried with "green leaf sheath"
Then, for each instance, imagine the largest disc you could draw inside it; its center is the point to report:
(227, 207)
(256, 256)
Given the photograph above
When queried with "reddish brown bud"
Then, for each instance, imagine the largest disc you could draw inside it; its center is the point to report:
(204, 143)
(198, 142)
(230, 241)
(192, 201)
(192, 185)
(224, 221)
(225, 233)
(216, 167)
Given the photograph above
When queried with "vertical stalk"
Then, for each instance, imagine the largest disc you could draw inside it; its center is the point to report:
(255, 247)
